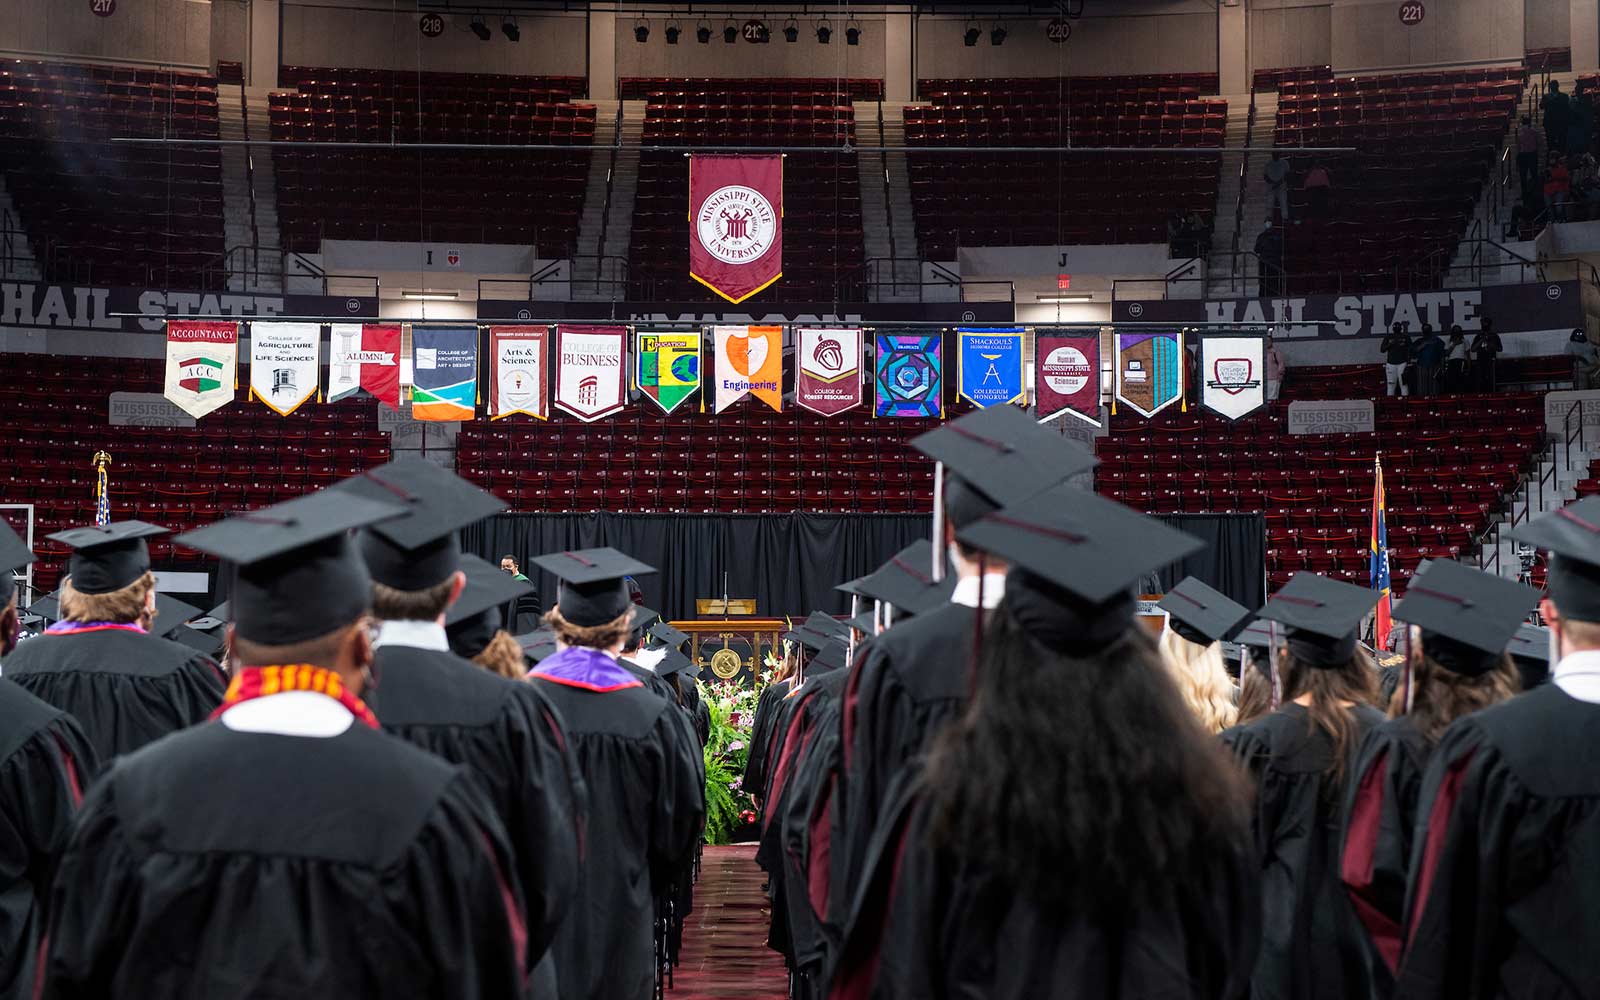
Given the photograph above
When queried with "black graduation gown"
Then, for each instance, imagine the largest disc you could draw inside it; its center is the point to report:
(45, 764)
(260, 866)
(768, 704)
(126, 689)
(1312, 945)
(1505, 884)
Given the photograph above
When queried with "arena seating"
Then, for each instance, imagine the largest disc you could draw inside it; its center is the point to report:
(109, 213)
(473, 196)
(1035, 199)
(1272, 79)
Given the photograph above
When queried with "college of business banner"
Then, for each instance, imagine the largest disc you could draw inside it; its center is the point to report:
(749, 363)
(1149, 371)
(827, 378)
(1233, 373)
(735, 223)
(989, 365)
(907, 377)
(666, 366)
(283, 364)
(516, 372)
(590, 370)
(1066, 376)
(364, 356)
(202, 365)
(444, 372)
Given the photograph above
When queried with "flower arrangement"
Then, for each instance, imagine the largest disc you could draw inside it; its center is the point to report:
(733, 715)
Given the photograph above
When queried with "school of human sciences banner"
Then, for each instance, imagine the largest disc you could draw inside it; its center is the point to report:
(1066, 376)
(444, 372)
(283, 364)
(202, 365)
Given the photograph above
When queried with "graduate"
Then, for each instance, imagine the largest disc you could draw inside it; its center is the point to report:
(646, 783)
(679, 670)
(1506, 870)
(473, 623)
(288, 847)
(100, 663)
(1198, 617)
(1458, 665)
(1530, 651)
(1255, 676)
(1120, 868)
(1301, 756)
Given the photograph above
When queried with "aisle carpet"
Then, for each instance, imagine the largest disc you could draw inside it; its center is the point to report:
(725, 954)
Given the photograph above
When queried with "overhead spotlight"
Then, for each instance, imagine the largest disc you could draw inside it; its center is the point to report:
(997, 35)
(824, 32)
(673, 32)
(481, 29)
(702, 34)
(971, 37)
(509, 28)
(852, 34)
(641, 32)
(730, 33)
(791, 31)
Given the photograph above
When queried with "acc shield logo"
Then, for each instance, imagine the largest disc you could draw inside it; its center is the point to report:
(736, 224)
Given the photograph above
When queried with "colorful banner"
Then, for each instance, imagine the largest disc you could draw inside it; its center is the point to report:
(666, 366)
(444, 372)
(202, 365)
(283, 364)
(907, 377)
(989, 366)
(827, 377)
(1378, 570)
(1149, 371)
(749, 362)
(1233, 373)
(590, 370)
(736, 223)
(364, 356)
(516, 372)
(1066, 376)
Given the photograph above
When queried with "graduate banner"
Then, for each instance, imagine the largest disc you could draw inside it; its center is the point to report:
(827, 377)
(1066, 376)
(666, 366)
(749, 363)
(736, 223)
(1232, 373)
(364, 356)
(989, 365)
(590, 370)
(1149, 371)
(283, 364)
(202, 365)
(444, 372)
(907, 377)
(516, 372)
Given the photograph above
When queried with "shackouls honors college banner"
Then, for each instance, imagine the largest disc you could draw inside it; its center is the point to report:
(516, 374)
(736, 223)
(989, 364)
(202, 365)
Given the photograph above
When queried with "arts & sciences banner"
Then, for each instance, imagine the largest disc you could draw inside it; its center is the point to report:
(1066, 376)
(666, 366)
(364, 356)
(516, 371)
(749, 363)
(283, 364)
(736, 223)
(1233, 374)
(1149, 371)
(202, 365)
(989, 365)
(907, 376)
(827, 376)
(591, 370)
(444, 372)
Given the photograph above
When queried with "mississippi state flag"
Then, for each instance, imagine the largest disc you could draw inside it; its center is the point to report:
(1380, 561)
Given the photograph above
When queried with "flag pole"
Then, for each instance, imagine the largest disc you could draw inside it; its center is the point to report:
(102, 488)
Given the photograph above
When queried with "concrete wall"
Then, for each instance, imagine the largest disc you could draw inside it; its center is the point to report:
(1291, 35)
(175, 32)
(1172, 37)
(1547, 23)
(1368, 33)
(717, 58)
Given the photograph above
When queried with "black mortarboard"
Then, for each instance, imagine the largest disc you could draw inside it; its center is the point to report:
(997, 457)
(298, 573)
(864, 623)
(14, 555)
(673, 662)
(1467, 616)
(906, 580)
(1530, 651)
(1200, 614)
(47, 607)
(851, 586)
(420, 549)
(666, 634)
(1572, 537)
(825, 624)
(204, 642)
(1257, 635)
(644, 618)
(537, 645)
(809, 638)
(1322, 617)
(172, 614)
(474, 618)
(829, 658)
(594, 583)
(109, 557)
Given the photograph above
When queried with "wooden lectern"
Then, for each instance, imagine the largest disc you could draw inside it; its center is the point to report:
(732, 645)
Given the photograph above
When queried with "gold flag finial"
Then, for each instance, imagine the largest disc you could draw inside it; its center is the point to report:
(101, 459)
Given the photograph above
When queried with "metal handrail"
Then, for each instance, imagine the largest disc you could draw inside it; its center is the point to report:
(1238, 202)
(888, 205)
(611, 180)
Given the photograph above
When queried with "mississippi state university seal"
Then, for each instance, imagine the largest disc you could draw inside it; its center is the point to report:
(725, 663)
(736, 224)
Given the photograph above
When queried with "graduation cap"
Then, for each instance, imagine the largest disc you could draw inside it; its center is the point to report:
(999, 456)
(537, 645)
(673, 638)
(672, 663)
(1572, 537)
(906, 581)
(1467, 616)
(420, 549)
(594, 583)
(1321, 615)
(1530, 651)
(14, 555)
(47, 608)
(829, 658)
(811, 640)
(1201, 614)
(298, 574)
(474, 618)
(204, 642)
(107, 557)
(825, 624)
(643, 618)
(172, 614)
(851, 586)
(864, 623)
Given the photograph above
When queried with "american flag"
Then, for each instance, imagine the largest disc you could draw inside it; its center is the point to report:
(102, 493)
(1380, 561)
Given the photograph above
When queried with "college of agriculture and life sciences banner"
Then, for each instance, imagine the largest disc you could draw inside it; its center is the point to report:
(283, 364)
(907, 377)
(749, 363)
(666, 366)
(591, 370)
(1066, 376)
(735, 223)
(202, 365)
(989, 365)
(1233, 373)
(444, 372)
(364, 356)
(827, 377)
(516, 371)
(1149, 372)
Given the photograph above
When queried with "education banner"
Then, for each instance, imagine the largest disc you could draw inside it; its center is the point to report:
(516, 371)
(364, 356)
(735, 223)
(444, 372)
(827, 377)
(749, 363)
(666, 366)
(1232, 373)
(283, 364)
(989, 365)
(202, 365)
(1066, 376)
(590, 370)
(907, 377)
(1149, 371)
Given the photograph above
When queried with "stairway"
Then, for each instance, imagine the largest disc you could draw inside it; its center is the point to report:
(1227, 276)
(600, 270)
(249, 195)
(888, 221)
(16, 254)
(1559, 474)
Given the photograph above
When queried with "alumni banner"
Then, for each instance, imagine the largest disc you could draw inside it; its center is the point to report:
(444, 372)
(827, 377)
(365, 356)
(735, 223)
(590, 370)
(1066, 376)
(516, 375)
(202, 365)
(749, 363)
(283, 364)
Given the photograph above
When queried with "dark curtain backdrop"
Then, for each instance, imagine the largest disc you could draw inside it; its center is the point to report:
(790, 563)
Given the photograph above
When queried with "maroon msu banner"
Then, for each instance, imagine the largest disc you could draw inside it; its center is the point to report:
(1067, 376)
(736, 223)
